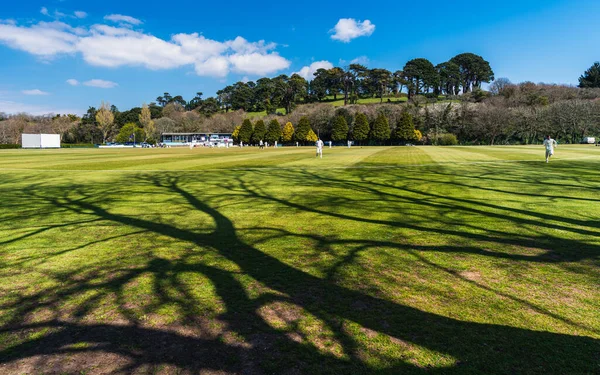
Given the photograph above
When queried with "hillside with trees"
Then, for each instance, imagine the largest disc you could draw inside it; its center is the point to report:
(423, 102)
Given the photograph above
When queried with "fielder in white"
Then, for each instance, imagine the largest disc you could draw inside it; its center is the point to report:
(320, 148)
(549, 143)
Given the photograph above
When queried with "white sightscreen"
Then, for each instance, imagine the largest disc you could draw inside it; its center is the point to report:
(31, 140)
(50, 140)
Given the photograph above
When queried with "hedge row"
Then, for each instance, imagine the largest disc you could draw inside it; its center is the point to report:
(9, 145)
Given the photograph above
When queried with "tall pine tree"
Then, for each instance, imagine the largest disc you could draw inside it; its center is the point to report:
(591, 77)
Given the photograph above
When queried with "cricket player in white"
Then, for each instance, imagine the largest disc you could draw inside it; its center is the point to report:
(549, 143)
(320, 148)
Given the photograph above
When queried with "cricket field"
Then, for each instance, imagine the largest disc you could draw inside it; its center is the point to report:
(372, 260)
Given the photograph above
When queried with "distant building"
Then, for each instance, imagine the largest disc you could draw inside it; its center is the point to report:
(184, 139)
(589, 140)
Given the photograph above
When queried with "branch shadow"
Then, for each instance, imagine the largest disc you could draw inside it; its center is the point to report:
(250, 343)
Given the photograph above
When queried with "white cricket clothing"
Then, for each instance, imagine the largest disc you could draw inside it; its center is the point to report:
(549, 143)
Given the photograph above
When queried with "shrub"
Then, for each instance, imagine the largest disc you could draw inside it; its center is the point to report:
(418, 135)
(9, 145)
(77, 145)
(447, 139)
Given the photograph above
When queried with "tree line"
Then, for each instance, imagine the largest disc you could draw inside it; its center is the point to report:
(506, 113)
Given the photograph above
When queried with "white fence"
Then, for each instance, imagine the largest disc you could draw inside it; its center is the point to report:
(40, 140)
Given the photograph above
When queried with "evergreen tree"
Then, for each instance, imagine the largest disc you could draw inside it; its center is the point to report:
(245, 131)
(381, 129)
(339, 131)
(591, 77)
(302, 130)
(273, 131)
(288, 132)
(360, 132)
(405, 128)
(259, 132)
(130, 132)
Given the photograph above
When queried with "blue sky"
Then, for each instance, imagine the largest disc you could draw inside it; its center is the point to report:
(130, 52)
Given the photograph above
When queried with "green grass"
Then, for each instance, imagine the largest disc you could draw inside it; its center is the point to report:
(476, 260)
(340, 102)
(252, 115)
(336, 103)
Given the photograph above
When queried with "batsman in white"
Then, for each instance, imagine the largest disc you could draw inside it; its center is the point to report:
(319, 148)
(549, 143)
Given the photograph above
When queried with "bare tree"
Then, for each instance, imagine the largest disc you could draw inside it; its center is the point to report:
(146, 120)
(499, 85)
(105, 119)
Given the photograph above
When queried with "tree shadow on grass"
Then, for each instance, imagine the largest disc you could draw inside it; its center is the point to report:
(249, 341)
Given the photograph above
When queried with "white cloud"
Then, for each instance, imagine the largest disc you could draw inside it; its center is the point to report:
(43, 39)
(362, 60)
(348, 28)
(217, 66)
(307, 72)
(110, 46)
(257, 63)
(80, 14)
(44, 11)
(100, 83)
(122, 19)
(11, 107)
(34, 92)
(73, 82)
(113, 46)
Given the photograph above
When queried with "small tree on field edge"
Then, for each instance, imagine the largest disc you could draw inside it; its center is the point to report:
(339, 131)
(245, 131)
(130, 132)
(236, 133)
(288, 133)
(405, 128)
(361, 129)
(259, 132)
(273, 131)
(302, 130)
(311, 136)
(381, 129)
